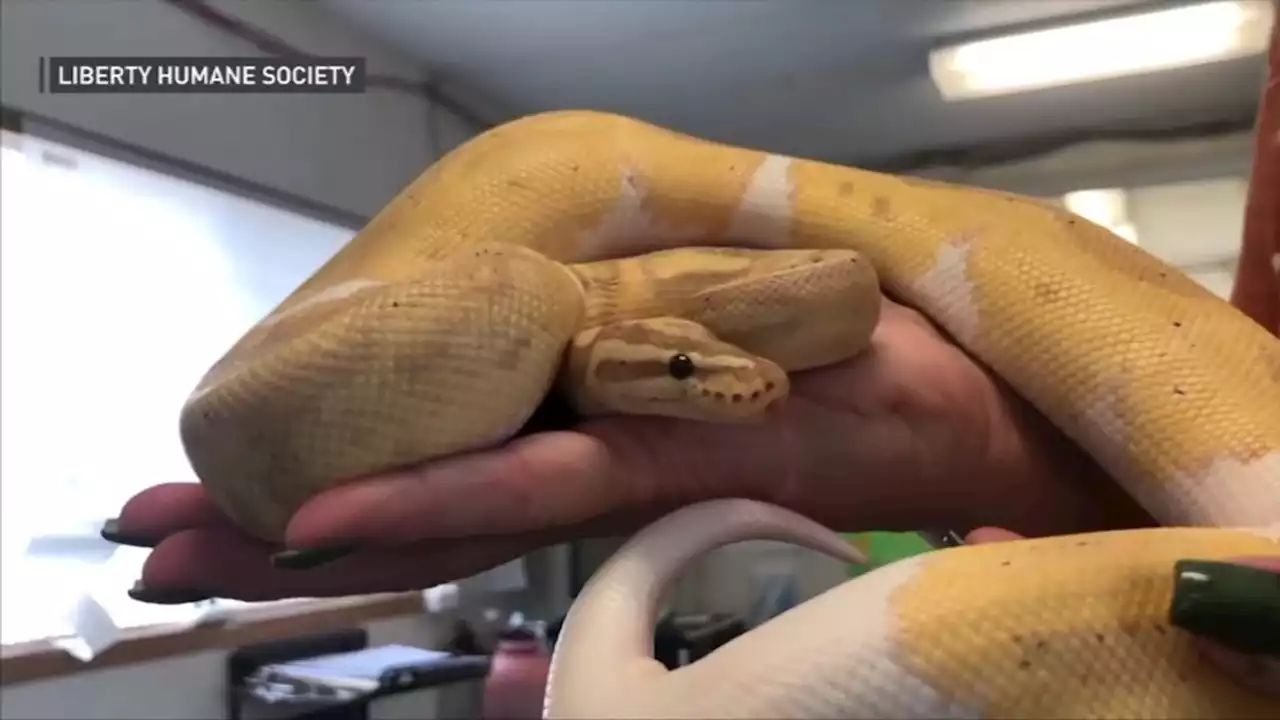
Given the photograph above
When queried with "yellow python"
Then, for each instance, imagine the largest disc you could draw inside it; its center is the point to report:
(555, 249)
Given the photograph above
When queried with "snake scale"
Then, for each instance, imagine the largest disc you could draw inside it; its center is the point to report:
(645, 271)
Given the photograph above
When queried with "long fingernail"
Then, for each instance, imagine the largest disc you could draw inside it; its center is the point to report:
(162, 596)
(111, 533)
(307, 558)
(1236, 606)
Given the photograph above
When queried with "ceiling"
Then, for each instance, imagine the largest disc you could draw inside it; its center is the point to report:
(842, 80)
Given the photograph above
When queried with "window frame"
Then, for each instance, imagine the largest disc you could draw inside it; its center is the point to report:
(221, 618)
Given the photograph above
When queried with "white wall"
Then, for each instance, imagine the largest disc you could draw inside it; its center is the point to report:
(350, 152)
(190, 687)
(1112, 164)
(1196, 226)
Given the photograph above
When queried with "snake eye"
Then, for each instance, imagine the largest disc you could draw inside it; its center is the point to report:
(680, 366)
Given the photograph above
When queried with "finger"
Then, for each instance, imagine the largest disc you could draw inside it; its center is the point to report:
(162, 510)
(540, 480)
(216, 562)
(990, 534)
(220, 562)
(1234, 609)
(545, 480)
(1253, 671)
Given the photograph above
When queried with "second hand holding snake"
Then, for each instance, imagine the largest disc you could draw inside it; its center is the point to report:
(644, 271)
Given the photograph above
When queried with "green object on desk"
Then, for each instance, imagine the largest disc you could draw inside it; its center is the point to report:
(882, 548)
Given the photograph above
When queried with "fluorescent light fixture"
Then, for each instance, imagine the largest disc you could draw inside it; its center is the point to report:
(1131, 45)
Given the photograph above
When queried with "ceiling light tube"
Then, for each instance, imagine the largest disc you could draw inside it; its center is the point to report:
(1131, 45)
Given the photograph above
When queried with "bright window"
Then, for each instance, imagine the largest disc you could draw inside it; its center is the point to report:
(120, 287)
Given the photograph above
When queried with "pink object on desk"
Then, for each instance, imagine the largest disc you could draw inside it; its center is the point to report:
(517, 677)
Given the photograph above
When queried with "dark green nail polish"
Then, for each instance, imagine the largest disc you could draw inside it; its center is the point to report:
(1236, 606)
(142, 593)
(111, 533)
(307, 558)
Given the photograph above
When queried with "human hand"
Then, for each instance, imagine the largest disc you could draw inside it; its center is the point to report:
(913, 434)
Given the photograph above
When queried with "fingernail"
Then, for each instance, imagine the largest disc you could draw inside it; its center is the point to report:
(111, 533)
(1236, 606)
(307, 558)
(142, 593)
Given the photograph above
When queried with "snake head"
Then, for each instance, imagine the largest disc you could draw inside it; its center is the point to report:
(669, 367)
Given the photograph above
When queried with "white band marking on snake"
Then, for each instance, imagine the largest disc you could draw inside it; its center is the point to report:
(1248, 495)
(950, 290)
(763, 219)
(334, 292)
(629, 229)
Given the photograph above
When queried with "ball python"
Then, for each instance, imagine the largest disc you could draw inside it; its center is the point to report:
(641, 270)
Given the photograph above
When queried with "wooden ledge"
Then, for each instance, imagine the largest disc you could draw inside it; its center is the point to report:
(41, 659)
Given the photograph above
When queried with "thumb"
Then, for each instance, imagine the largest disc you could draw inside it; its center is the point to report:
(1234, 608)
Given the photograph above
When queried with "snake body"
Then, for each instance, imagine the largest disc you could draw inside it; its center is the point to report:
(1062, 627)
(593, 250)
